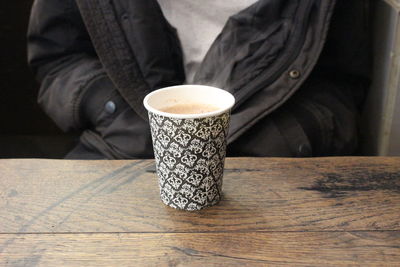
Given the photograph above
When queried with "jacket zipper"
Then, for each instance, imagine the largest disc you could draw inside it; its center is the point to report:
(259, 82)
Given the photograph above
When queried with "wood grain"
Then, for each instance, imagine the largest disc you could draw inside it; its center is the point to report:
(295, 212)
(204, 249)
(264, 194)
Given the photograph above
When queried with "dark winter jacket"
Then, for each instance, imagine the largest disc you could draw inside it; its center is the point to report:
(298, 70)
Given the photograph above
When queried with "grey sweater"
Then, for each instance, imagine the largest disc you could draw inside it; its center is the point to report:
(198, 24)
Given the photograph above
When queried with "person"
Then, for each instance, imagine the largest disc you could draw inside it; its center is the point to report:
(298, 70)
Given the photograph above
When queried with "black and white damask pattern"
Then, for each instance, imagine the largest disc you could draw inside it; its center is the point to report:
(190, 156)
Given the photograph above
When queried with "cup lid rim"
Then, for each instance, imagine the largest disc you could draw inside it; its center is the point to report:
(188, 116)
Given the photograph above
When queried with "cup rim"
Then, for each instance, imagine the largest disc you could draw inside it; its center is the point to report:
(188, 116)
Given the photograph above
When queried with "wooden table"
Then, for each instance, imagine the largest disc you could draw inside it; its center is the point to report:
(299, 212)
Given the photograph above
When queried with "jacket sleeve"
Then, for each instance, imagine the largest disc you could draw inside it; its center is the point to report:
(64, 61)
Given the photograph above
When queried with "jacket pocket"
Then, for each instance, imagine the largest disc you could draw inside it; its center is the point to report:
(293, 133)
(276, 135)
(119, 132)
(116, 131)
(318, 124)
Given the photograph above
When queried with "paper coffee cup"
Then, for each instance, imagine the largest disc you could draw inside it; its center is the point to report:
(189, 149)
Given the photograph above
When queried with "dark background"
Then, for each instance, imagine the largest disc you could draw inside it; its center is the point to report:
(25, 131)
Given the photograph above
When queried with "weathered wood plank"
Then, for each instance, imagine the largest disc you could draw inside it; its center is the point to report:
(264, 194)
(203, 249)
